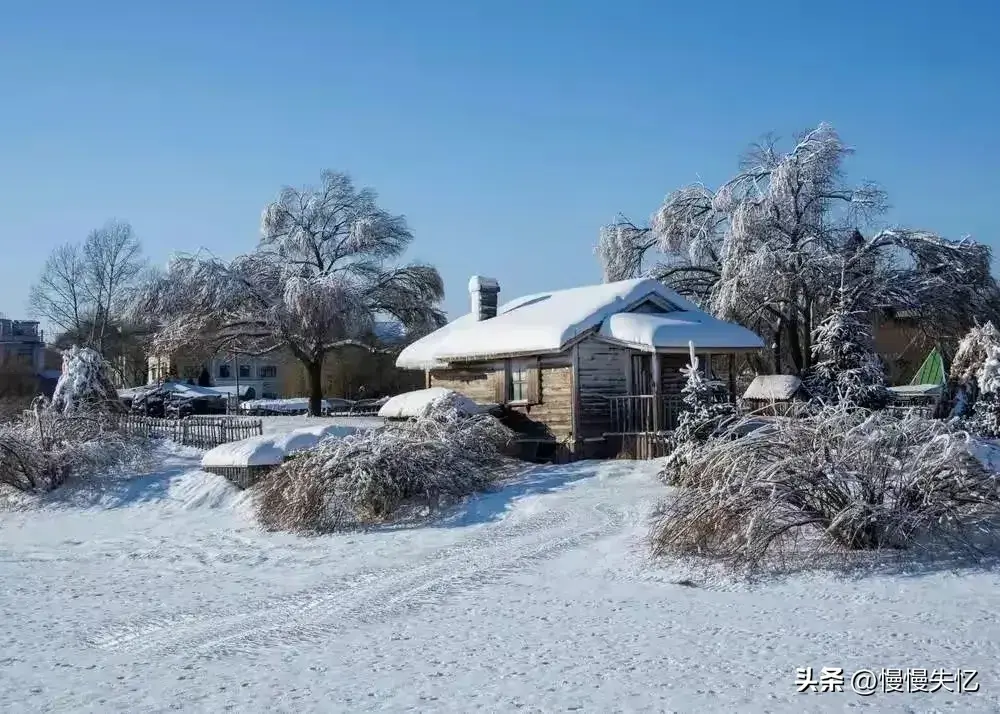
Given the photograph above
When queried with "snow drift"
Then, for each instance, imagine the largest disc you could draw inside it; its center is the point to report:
(272, 449)
(413, 404)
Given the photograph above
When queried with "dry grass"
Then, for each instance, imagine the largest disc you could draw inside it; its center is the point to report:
(847, 478)
(38, 453)
(365, 478)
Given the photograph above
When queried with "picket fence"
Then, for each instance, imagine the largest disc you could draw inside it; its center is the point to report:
(203, 432)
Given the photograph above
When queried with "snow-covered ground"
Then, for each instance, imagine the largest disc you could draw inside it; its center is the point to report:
(157, 593)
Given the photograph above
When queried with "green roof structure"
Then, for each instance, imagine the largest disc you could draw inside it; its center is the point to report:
(931, 370)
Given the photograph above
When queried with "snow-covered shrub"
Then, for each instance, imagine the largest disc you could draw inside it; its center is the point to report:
(705, 411)
(972, 352)
(34, 459)
(75, 434)
(851, 478)
(84, 385)
(364, 478)
(847, 367)
(986, 410)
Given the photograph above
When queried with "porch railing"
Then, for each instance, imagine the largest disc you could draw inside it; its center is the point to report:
(643, 413)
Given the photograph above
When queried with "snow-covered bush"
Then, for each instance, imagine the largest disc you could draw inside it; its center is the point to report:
(84, 385)
(850, 478)
(41, 455)
(972, 352)
(74, 434)
(364, 478)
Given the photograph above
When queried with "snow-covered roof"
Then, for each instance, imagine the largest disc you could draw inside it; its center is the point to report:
(773, 387)
(411, 404)
(185, 391)
(651, 332)
(916, 390)
(534, 324)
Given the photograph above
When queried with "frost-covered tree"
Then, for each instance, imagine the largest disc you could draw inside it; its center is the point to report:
(986, 413)
(975, 379)
(84, 385)
(321, 274)
(766, 249)
(704, 410)
(846, 365)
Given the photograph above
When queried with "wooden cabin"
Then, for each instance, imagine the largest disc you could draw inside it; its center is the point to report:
(595, 370)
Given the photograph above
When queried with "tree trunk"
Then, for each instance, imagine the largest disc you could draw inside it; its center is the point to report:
(314, 372)
(777, 346)
(807, 334)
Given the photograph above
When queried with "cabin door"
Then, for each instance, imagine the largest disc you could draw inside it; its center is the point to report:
(642, 374)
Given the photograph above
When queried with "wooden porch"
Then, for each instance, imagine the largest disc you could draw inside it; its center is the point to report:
(639, 423)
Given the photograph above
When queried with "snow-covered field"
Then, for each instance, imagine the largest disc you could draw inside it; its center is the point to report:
(156, 593)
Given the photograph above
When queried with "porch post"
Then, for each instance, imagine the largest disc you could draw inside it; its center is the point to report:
(657, 364)
(732, 378)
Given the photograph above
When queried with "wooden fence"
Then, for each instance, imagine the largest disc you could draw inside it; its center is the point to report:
(203, 432)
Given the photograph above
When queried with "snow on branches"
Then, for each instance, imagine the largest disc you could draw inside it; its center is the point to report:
(84, 385)
(442, 454)
(766, 249)
(975, 372)
(704, 408)
(847, 368)
(319, 278)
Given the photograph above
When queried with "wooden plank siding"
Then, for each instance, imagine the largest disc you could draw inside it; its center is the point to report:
(549, 400)
(554, 407)
(603, 371)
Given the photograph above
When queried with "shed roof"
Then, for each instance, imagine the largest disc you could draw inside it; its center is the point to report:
(773, 387)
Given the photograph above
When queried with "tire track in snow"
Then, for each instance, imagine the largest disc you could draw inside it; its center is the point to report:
(490, 555)
(149, 629)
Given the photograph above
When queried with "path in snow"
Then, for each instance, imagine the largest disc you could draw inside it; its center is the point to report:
(156, 593)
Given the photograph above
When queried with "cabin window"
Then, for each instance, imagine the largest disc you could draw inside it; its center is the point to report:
(244, 371)
(523, 382)
(518, 382)
(268, 372)
(224, 372)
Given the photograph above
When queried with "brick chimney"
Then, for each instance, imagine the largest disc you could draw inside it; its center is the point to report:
(484, 292)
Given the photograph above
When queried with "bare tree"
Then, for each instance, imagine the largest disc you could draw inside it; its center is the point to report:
(60, 295)
(767, 248)
(113, 261)
(84, 288)
(317, 280)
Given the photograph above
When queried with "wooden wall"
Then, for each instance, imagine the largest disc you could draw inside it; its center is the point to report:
(602, 370)
(555, 407)
(551, 409)
(479, 381)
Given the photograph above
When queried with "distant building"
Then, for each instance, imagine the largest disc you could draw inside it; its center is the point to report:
(22, 344)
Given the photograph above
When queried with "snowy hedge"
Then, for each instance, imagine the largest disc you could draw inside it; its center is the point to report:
(74, 434)
(849, 478)
(366, 477)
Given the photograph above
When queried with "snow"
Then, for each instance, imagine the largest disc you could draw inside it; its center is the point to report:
(916, 390)
(271, 448)
(159, 594)
(254, 451)
(293, 404)
(411, 404)
(649, 332)
(773, 387)
(544, 322)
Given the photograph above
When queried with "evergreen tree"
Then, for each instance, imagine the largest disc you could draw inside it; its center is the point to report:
(705, 408)
(846, 367)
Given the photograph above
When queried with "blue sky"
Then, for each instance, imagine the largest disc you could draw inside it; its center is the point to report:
(507, 132)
